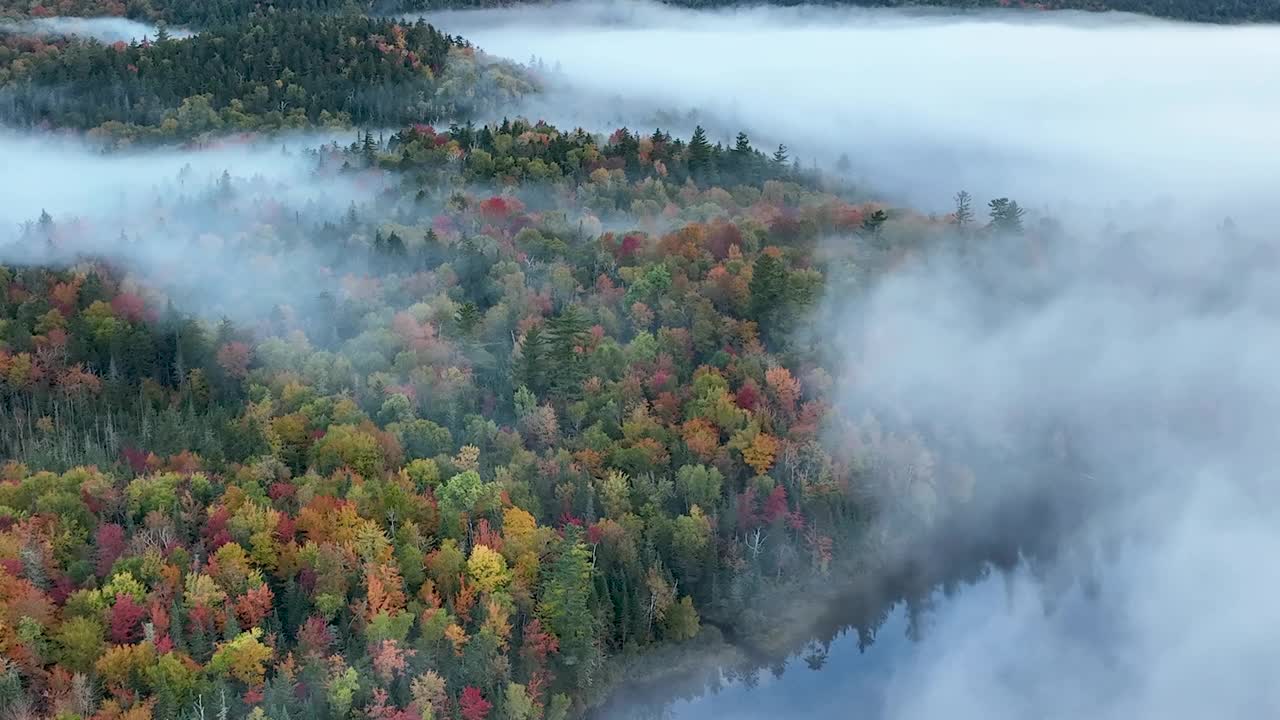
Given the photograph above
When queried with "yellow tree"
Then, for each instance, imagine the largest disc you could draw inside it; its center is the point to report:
(488, 568)
(243, 658)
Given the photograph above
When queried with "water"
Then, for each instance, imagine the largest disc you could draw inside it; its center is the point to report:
(912, 667)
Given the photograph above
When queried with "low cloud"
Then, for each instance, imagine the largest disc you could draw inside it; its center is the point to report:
(102, 29)
(1054, 109)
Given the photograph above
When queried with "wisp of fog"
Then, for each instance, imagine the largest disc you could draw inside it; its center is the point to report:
(1050, 108)
(103, 29)
(153, 213)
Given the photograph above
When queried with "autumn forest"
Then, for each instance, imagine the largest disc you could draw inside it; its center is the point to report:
(444, 412)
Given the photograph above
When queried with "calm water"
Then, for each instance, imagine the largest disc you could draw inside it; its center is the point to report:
(997, 645)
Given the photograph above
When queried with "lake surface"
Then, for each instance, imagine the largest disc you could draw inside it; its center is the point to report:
(911, 669)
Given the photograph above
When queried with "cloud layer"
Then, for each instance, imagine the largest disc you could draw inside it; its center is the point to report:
(1052, 108)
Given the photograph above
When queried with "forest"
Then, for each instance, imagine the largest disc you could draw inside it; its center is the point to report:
(524, 434)
(328, 72)
(530, 413)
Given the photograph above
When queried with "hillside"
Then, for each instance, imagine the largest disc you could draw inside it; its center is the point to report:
(282, 70)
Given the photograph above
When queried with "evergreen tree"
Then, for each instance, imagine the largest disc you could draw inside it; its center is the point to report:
(567, 338)
(531, 370)
(1006, 216)
(699, 154)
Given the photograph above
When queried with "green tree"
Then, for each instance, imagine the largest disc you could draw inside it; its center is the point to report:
(1006, 216)
(565, 606)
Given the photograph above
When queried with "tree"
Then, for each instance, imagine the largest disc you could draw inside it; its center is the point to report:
(564, 606)
(699, 153)
(488, 569)
(768, 286)
(682, 620)
(963, 214)
(699, 485)
(472, 705)
(780, 156)
(567, 339)
(874, 222)
(126, 620)
(1006, 216)
(243, 658)
(80, 643)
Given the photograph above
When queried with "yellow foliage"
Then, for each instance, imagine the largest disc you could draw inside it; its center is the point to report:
(488, 568)
(243, 658)
(761, 452)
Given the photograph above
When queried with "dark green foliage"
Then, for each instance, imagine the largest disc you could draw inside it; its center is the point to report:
(283, 70)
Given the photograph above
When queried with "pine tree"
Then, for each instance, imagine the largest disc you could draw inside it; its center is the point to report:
(699, 153)
(531, 370)
(1006, 216)
(780, 156)
(567, 337)
(564, 605)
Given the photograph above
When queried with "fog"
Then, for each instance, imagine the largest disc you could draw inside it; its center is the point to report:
(163, 216)
(1048, 108)
(1142, 343)
(103, 29)
(1151, 354)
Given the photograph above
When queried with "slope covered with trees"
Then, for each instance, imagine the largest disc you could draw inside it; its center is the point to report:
(282, 70)
(519, 435)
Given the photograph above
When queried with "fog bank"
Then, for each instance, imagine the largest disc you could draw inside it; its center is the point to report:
(103, 29)
(216, 247)
(1049, 108)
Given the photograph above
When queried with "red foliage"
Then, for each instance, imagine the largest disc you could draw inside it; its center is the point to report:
(748, 396)
(130, 307)
(254, 605)
(286, 528)
(234, 359)
(110, 544)
(630, 245)
(497, 208)
(314, 638)
(215, 528)
(135, 458)
(721, 237)
(126, 620)
(486, 535)
(472, 704)
(775, 506)
(281, 490)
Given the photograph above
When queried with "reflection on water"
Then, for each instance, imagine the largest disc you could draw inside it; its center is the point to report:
(906, 667)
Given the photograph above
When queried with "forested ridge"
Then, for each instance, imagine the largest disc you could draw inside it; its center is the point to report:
(199, 13)
(282, 70)
(528, 413)
(500, 453)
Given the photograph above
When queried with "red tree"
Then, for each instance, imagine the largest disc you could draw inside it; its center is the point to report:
(254, 605)
(775, 506)
(473, 705)
(110, 546)
(126, 620)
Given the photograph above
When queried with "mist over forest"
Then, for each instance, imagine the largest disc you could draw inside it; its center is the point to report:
(622, 359)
